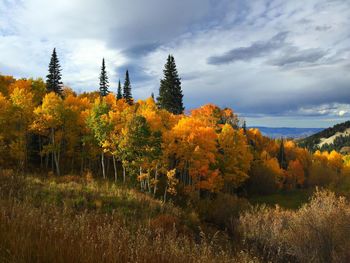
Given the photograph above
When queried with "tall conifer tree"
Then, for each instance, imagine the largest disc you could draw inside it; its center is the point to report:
(119, 93)
(53, 79)
(103, 80)
(127, 89)
(281, 156)
(170, 92)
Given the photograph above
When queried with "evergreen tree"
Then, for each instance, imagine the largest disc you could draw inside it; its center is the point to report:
(152, 95)
(170, 93)
(127, 89)
(244, 127)
(53, 79)
(119, 93)
(103, 80)
(282, 157)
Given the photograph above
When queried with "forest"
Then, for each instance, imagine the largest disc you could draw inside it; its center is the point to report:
(101, 161)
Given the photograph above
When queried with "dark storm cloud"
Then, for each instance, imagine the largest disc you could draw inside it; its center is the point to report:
(137, 73)
(140, 50)
(255, 50)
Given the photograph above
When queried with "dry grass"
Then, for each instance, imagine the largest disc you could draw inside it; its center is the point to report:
(75, 220)
(317, 232)
(46, 234)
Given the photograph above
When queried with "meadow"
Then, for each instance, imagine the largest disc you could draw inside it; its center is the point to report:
(44, 218)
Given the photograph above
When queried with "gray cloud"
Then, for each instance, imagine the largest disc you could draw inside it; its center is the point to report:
(255, 50)
(323, 28)
(140, 50)
(299, 57)
(300, 73)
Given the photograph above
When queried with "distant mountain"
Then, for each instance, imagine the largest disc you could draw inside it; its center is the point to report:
(333, 138)
(287, 132)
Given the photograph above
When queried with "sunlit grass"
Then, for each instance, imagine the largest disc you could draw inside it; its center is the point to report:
(74, 219)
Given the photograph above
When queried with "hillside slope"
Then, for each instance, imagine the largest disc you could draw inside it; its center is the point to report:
(73, 219)
(333, 138)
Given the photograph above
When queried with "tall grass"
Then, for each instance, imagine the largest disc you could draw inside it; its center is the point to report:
(42, 220)
(45, 234)
(73, 219)
(318, 232)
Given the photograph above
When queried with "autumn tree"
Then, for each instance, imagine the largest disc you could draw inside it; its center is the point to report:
(264, 176)
(48, 122)
(171, 183)
(135, 143)
(53, 79)
(170, 92)
(295, 175)
(234, 157)
(22, 116)
(5, 82)
(191, 145)
(5, 110)
(76, 131)
(127, 89)
(38, 89)
(100, 126)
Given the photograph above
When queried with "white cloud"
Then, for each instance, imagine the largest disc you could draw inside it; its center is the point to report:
(306, 71)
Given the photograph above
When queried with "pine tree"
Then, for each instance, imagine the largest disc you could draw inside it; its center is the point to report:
(127, 89)
(53, 79)
(103, 80)
(282, 157)
(244, 127)
(170, 93)
(119, 93)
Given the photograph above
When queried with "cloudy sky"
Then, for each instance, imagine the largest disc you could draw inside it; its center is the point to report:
(275, 62)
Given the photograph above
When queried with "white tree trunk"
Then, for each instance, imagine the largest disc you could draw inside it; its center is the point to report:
(124, 173)
(115, 169)
(103, 165)
(155, 181)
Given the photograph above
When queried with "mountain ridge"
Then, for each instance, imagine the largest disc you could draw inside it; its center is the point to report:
(287, 132)
(318, 141)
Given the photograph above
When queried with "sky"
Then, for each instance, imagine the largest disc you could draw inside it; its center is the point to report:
(277, 63)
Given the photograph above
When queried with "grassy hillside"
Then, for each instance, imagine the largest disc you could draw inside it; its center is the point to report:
(312, 141)
(74, 219)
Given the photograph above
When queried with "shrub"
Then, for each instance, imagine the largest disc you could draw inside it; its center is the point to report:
(321, 175)
(317, 232)
(223, 210)
(262, 179)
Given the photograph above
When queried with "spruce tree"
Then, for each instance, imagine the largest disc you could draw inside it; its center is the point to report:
(53, 79)
(119, 93)
(103, 80)
(282, 157)
(170, 93)
(244, 127)
(127, 89)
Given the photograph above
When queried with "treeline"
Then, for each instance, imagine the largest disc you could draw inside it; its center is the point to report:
(46, 127)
